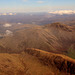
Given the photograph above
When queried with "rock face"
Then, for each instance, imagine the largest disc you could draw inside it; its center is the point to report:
(61, 62)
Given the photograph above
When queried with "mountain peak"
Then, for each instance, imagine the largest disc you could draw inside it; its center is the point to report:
(60, 26)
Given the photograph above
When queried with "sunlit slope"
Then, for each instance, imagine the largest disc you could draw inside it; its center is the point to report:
(10, 64)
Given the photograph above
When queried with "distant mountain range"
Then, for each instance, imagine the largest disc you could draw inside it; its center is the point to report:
(67, 17)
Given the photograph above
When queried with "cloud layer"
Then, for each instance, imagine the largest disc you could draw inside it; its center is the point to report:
(61, 12)
(7, 13)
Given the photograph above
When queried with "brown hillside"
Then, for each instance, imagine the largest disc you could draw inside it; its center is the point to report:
(36, 62)
(55, 37)
(10, 64)
(61, 62)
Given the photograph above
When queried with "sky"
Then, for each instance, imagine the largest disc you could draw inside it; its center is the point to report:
(36, 5)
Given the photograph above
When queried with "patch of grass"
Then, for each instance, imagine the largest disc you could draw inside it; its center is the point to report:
(71, 52)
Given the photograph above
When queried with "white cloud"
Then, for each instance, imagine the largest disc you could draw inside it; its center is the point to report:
(4, 14)
(7, 25)
(24, 0)
(61, 12)
(40, 2)
(19, 23)
(11, 13)
(8, 33)
(7, 13)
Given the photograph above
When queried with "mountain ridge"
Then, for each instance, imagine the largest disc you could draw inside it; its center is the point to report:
(36, 62)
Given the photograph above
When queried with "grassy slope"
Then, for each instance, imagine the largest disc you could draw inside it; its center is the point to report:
(71, 53)
(22, 64)
(10, 64)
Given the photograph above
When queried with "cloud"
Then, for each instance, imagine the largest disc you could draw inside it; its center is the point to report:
(8, 33)
(40, 2)
(4, 14)
(7, 14)
(19, 23)
(10, 14)
(61, 12)
(7, 25)
(24, 0)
